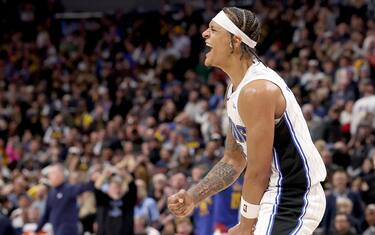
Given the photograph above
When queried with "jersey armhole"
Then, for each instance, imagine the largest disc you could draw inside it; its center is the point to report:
(283, 93)
(228, 92)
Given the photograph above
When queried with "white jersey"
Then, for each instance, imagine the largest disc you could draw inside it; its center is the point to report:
(296, 161)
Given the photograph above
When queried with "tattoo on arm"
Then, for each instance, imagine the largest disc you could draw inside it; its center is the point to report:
(231, 145)
(221, 176)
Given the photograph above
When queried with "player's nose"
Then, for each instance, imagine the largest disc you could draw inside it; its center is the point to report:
(206, 33)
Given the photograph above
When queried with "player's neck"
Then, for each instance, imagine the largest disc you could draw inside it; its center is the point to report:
(236, 70)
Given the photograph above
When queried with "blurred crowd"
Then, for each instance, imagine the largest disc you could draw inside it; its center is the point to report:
(111, 115)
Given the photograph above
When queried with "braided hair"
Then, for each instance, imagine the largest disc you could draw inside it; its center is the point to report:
(249, 24)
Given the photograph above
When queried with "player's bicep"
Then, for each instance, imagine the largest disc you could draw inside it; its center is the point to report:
(257, 110)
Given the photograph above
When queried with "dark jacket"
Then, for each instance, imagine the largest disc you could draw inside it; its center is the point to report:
(6, 226)
(62, 209)
(115, 217)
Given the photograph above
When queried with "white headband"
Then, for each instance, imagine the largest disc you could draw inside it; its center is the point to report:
(222, 19)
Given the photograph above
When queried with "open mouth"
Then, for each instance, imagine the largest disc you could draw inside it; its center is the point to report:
(208, 48)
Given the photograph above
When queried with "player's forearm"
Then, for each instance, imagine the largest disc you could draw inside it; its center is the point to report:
(222, 175)
(258, 171)
(257, 181)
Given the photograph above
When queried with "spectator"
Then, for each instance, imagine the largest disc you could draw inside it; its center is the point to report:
(340, 189)
(312, 76)
(313, 121)
(342, 225)
(159, 182)
(6, 226)
(184, 227)
(369, 183)
(116, 203)
(146, 207)
(332, 127)
(87, 211)
(345, 206)
(178, 181)
(363, 144)
(141, 228)
(362, 107)
(56, 131)
(19, 215)
(40, 198)
(370, 218)
(61, 206)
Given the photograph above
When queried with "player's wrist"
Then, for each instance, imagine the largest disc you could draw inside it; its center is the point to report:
(193, 197)
(248, 210)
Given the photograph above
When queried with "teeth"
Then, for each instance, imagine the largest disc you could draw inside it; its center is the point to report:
(208, 48)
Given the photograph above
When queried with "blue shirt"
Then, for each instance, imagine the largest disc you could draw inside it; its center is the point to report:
(61, 208)
(203, 218)
(147, 209)
(226, 205)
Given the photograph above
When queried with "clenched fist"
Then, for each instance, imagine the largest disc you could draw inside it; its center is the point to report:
(181, 204)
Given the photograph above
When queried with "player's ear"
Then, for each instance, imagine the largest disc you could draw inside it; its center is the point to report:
(236, 40)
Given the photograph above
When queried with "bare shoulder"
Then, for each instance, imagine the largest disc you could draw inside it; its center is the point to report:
(260, 88)
(261, 94)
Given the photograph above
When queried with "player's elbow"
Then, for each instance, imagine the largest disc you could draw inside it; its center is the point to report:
(258, 177)
(236, 160)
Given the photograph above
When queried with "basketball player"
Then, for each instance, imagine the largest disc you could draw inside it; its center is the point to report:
(268, 136)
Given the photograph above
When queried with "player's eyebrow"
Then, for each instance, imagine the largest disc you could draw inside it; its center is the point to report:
(211, 26)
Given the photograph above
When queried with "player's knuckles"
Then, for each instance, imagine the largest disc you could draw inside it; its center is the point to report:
(181, 209)
(179, 213)
(172, 199)
(186, 211)
(174, 204)
(175, 212)
(175, 207)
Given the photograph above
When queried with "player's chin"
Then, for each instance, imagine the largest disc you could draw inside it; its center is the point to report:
(207, 62)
